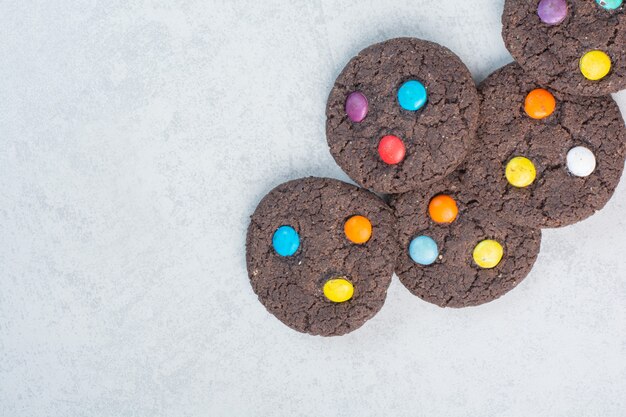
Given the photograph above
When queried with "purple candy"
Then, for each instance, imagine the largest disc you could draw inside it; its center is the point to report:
(552, 12)
(356, 106)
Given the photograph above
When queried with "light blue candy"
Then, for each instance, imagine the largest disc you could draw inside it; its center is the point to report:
(286, 241)
(609, 4)
(412, 95)
(423, 250)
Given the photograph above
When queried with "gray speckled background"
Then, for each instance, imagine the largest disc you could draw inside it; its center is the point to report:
(135, 140)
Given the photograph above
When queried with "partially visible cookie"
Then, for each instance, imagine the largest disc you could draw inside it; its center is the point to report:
(401, 115)
(320, 254)
(542, 158)
(454, 253)
(573, 46)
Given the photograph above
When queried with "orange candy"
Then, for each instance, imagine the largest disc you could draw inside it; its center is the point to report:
(539, 104)
(443, 209)
(358, 229)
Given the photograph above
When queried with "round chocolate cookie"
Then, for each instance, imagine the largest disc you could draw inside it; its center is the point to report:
(454, 253)
(573, 46)
(401, 115)
(320, 254)
(543, 159)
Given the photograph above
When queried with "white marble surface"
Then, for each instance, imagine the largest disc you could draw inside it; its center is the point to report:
(135, 140)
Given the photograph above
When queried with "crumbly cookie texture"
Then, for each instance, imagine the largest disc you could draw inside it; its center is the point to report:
(556, 197)
(437, 136)
(454, 279)
(291, 288)
(551, 53)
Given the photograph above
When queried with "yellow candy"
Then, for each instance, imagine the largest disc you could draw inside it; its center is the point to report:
(338, 290)
(488, 253)
(595, 65)
(520, 172)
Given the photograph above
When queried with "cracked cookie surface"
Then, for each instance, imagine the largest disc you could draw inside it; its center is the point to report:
(454, 279)
(556, 198)
(551, 53)
(291, 287)
(436, 137)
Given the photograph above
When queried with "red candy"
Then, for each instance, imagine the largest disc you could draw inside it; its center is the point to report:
(391, 149)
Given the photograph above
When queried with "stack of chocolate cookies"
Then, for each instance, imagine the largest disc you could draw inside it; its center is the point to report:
(457, 181)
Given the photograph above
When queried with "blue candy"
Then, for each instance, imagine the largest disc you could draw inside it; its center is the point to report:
(609, 4)
(423, 250)
(286, 241)
(412, 95)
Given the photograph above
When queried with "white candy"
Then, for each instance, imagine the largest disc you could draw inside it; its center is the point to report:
(581, 161)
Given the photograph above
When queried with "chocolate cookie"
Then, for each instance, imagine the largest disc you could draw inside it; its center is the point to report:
(320, 255)
(543, 159)
(573, 46)
(401, 115)
(454, 253)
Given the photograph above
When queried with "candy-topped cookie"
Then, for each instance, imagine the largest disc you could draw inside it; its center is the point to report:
(320, 254)
(401, 115)
(454, 252)
(573, 46)
(542, 158)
